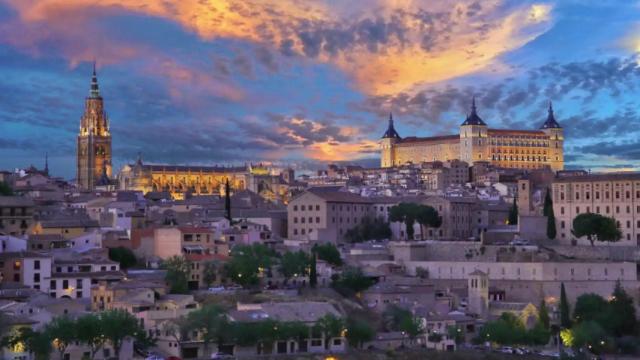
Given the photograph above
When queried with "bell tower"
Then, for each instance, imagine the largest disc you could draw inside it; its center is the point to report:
(94, 140)
(387, 144)
(474, 140)
(555, 134)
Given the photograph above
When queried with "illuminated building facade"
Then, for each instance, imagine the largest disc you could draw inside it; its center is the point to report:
(522, 149)
(178, 179)
(94, 141)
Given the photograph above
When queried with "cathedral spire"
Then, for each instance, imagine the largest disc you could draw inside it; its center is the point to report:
(391, 132)
(95, 91)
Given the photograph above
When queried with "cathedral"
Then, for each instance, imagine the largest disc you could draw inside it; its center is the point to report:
(94, 142)
(476, 142)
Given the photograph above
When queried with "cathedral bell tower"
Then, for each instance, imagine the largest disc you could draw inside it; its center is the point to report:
(94, 140)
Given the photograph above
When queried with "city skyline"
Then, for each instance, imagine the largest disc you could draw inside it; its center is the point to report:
(189, 84)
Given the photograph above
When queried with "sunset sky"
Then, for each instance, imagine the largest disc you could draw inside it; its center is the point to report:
(220, 81)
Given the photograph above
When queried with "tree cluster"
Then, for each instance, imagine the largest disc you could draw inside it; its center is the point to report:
(214, 327)
(369, 229)
(351, 281)
(327, 252)
(596, 227)
(124, 256)
(510, 330)
(411, 213)
(95, 331)
(597, 321)
(5, 189)
(398, 319)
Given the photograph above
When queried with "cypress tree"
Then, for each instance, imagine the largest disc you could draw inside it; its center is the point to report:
(313, 275)
(513, 213)
(565, 317)
(227, 200)
(543, 314)
(551, 218)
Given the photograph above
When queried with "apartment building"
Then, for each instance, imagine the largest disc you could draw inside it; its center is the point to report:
(325, 214)
(27, 268)
(612, 195)
(16, 215)
(165, 242)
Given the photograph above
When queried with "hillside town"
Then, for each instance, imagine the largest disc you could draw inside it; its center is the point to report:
(439, 256)
(319, 180)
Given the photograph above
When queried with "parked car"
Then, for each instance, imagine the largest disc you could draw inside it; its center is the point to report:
(216, 289)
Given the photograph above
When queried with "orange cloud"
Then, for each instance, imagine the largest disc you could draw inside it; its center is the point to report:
(332, 151)
(433, 41)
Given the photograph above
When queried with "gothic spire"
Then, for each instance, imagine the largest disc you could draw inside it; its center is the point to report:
(95, 91)
(46, 163)
(391, 132)
(473, 118)
(551, 122)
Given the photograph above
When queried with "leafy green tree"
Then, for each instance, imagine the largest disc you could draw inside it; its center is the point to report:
(589, 333)
(590, 307)
(551, 218)
(369, 229)
(293, 264)
(247, 261)
(327, 252)
(565, 311)
(406, 213)
(5, 189)
(596, 227)
(210, 272)
(427, 217)
(124, 256)
(507, 330)
(63, 332)
(538, 335)
(177, 276)
(543, 315)
(456, 333)
(38, 343)
(621, 314)
(117, 325)
(89, 332)
(352, 281)
(358, 332)
(211, 322)
(412, 326)
(513, 212)
(329, 326)
(313, 272)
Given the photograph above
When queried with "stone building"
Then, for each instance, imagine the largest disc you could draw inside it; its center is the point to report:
(612, 195)
(94, 141)
(16, 215)
(178, 180)
(325, 214)
(476, 142)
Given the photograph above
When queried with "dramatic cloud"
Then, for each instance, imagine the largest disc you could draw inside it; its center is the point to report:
(217, 81)
(386, 48)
